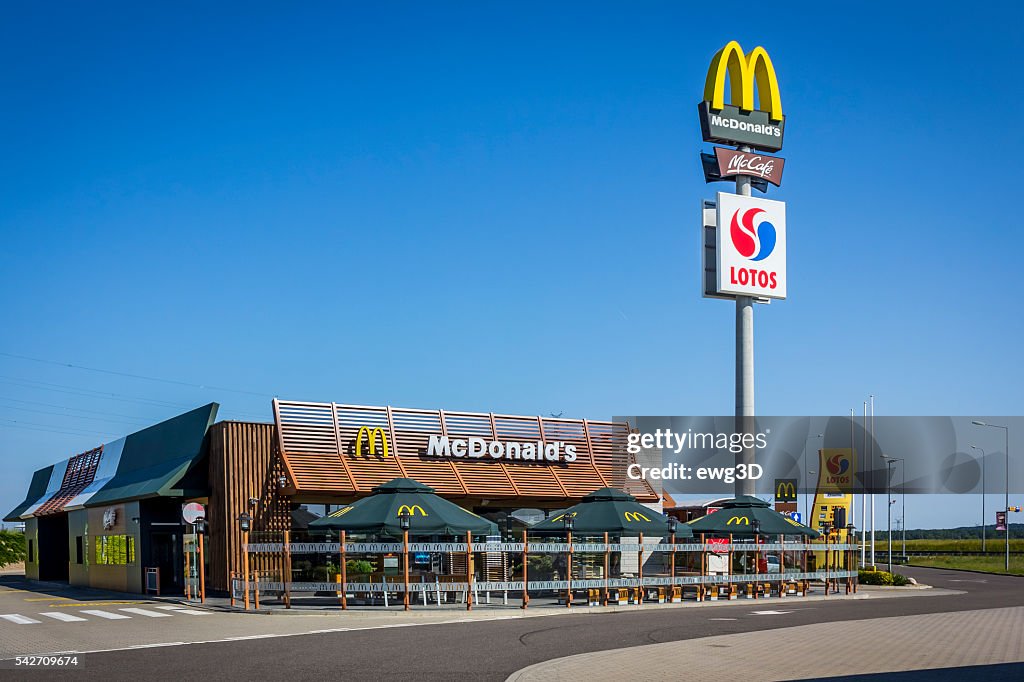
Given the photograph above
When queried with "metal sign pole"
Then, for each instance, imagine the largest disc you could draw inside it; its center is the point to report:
(202, 571)
(744, 364)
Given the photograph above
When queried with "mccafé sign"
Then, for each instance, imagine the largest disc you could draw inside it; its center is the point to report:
(480, 448)
(732, 163)
(737, 121)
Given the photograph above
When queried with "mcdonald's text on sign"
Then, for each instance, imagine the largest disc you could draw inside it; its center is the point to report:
(738, 121)
(478, 448)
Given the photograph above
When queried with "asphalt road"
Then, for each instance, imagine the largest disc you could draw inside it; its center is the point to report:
(492, 650)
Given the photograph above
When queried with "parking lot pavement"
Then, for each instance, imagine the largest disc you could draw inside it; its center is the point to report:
(961, 646)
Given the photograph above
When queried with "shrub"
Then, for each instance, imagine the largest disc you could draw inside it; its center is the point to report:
(882, 578)
(12, 547)
(358, 567)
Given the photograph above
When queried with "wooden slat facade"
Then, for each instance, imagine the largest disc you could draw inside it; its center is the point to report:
(317, 442)
(244, 464)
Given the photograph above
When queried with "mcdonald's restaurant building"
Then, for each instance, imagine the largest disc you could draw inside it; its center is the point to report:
(103, 517)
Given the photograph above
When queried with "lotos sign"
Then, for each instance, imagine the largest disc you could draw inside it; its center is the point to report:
(738, 122)
(751, 246)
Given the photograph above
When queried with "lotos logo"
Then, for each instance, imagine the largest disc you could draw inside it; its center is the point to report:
(750, 242)
(837, 464)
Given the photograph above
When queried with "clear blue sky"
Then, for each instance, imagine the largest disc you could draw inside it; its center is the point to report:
(491, 207)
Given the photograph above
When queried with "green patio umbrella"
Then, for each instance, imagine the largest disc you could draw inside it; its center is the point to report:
(609, 510)
(740, 515)
(429, 514)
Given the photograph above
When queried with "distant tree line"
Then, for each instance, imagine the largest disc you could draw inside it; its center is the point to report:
(961, 533)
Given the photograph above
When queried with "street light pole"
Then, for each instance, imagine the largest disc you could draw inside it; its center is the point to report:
(807, 506)
(903, 512)
(1006, 505)
(871, 450)
(975, 447)
(889, 462)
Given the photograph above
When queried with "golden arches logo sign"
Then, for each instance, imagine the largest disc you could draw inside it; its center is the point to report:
(635, 516)
(743, 71)
(748, 118)
(738, 521)
(371, 434)
(411, 510)
(785, 490)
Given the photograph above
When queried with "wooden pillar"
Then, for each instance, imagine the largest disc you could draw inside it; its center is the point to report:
(469, 570)
(287, 577)
(202, 571)
(245, 566)
(672, 562)
(757, 563)
(344, 573)
(526, 553)
(701, 589)
(188, 573)
(405, 568)
(640, 571)
(781, 565)
(607, 568)
(231, 586)
(256, 589)
(728, 585)
(568, 571)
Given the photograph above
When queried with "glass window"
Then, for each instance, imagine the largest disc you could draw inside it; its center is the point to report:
(115, 550)
(78, 549)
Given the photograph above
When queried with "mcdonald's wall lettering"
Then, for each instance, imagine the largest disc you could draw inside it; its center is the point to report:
(738, 121)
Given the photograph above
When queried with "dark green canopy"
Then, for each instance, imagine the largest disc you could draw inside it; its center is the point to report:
(428, 514)
(609, 510)
(738, 515)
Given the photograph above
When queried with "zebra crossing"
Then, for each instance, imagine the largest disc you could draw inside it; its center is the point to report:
(87, 615)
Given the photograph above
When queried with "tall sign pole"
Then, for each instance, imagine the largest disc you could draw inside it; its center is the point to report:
(748, 263)
(744, 364)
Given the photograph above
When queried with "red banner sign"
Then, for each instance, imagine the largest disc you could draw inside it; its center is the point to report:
(723, 549)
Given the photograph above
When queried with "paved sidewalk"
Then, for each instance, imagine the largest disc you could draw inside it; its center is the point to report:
(878, 646)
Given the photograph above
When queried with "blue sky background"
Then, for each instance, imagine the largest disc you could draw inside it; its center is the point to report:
(492, 207)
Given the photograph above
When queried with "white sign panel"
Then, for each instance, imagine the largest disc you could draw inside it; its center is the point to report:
(751, 246)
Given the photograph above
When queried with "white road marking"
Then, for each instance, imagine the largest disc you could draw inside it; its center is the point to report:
(106, 614)
(144, 612)
(185, 610)
(768, 613)
(66, 617)
(19, 619)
